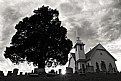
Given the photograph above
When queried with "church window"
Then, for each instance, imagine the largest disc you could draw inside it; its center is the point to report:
(80, 47)
(103, 66)
(101, 54)
(83, 68)
(110, 68)
(114, 69)
(97, 67)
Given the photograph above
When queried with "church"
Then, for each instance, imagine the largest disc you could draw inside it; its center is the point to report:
(98, 59)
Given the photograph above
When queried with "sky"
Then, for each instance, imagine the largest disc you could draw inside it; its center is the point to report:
(97, 21)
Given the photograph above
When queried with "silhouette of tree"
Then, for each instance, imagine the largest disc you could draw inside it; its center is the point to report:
(40, 39)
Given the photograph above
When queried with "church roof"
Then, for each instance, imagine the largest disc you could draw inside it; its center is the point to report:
(89, 54)
(98, 47)
(82, 60)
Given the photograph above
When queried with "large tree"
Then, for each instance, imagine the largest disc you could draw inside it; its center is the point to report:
(40, 39)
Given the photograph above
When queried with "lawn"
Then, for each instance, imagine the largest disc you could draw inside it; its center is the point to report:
(67, 77)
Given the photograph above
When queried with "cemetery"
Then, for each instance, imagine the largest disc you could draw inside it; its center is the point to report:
(42, 39)
(57, 76)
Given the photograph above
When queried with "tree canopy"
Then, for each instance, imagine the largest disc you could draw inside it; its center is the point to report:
(40, 39)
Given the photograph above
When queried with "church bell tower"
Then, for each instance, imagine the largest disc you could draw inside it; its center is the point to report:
(79, 49)
(79, 55)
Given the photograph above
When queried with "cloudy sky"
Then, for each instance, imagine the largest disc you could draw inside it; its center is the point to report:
(97, 21)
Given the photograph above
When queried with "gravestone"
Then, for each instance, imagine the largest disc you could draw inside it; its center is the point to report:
(39, 71)
(32, 71)
(60, 71)
(15, 72)
(26, 73)
(1, 73)
(9, 73)
(56, 72)
(21, 73)
(51, 73)
(69, 70)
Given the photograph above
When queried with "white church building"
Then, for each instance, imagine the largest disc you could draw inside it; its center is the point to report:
(97, 59)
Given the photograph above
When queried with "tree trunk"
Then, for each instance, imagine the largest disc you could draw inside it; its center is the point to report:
(41, 67)
(41, 64)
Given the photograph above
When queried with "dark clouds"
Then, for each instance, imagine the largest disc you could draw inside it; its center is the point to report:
(85, 30)
(69, 9)
(97, 21)
(93, 19)
(11, 16)
(79, 14)
(111, 24)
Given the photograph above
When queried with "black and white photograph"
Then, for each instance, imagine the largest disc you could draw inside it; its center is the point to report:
(60, 40)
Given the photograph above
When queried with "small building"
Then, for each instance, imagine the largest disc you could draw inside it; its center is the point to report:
(97, 59)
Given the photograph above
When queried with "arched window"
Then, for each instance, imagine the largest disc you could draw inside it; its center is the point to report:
(80, 47)
(110, 68)
(97, 67)
(103, 66)
(101, 54)
(83, 68)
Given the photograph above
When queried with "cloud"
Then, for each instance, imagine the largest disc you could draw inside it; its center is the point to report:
(68, 9)
(10, 16)
(96, 20)
(110, 24)
(105, 22)
(84, 29)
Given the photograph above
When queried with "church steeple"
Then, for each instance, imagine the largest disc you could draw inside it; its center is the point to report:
(79, 48)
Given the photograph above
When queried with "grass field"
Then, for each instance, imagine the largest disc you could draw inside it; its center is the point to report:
(67, 77)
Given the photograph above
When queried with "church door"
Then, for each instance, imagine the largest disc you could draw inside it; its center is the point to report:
(83, 68)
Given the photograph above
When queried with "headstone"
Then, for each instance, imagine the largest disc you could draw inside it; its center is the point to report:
(51, 73)
(59, 71)
(89, 69)
(56, 72)
(26, 73)
(1, 73)
(21, 73)
(69, 70)
(35, 70)
(15, 72)
(39, 71)
(9, 73)
(32, 71)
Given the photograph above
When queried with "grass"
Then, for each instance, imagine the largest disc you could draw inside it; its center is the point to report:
(67, 77)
